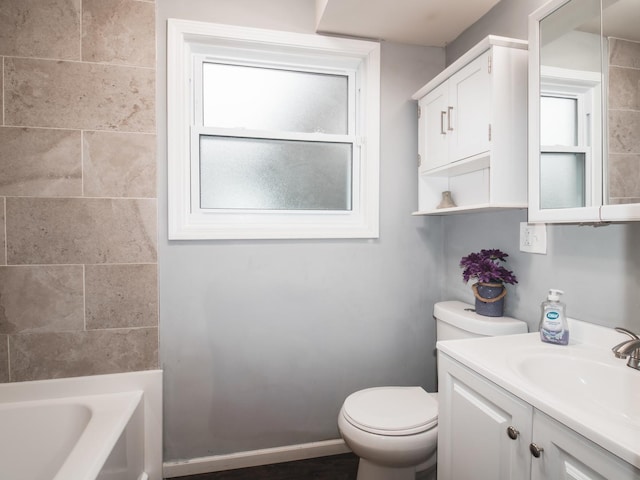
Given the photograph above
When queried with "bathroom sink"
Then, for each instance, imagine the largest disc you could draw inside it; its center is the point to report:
(603, 386)
(581, 385)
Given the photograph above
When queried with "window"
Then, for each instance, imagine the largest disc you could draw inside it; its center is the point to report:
(568, 149)
(271, 134)
(564, 152)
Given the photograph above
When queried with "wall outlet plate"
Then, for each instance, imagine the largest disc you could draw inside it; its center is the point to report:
(533, 237)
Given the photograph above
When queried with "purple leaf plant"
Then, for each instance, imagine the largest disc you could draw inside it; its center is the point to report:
(485, 267)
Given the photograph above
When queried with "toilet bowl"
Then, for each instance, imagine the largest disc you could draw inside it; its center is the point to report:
(394, 429)
(391, 429)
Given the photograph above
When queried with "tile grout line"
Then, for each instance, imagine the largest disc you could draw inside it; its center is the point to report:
(82, 163)
(80, 30)
(4, 215)
(76, 129)
(4, 199)
(112, 329)
(84, 296)
(8, 359)
(117, 264)
(76, 197)
(623, 109)
(63, 332)
(84, 62)
(625, 67)
(4, 107)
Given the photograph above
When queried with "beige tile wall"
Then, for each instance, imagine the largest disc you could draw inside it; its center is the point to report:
(624, 121)
(78, 263)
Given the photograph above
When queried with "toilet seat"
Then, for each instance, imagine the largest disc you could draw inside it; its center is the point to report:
(391, 410)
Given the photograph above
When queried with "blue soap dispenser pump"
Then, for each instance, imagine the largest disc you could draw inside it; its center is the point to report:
(553, 323)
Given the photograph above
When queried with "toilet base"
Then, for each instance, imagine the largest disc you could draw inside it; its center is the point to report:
(371, 471)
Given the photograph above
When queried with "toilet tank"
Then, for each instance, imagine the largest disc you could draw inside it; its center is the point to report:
(455, 320)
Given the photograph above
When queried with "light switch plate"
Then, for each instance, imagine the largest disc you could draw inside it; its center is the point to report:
(533, 237)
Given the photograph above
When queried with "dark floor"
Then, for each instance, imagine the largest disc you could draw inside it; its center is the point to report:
(336, 467)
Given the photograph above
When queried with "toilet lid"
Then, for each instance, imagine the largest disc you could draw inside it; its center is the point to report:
(391, 410)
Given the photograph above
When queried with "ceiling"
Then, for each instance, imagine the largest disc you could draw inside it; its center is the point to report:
(419, 22)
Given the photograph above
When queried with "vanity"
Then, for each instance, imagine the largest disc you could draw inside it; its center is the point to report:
(514, 408)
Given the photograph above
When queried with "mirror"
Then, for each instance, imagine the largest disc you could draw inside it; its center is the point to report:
(584, 111)
(622, 43)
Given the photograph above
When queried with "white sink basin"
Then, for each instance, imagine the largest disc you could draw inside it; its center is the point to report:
(610, 387)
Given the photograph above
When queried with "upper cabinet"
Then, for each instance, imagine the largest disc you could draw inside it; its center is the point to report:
(584, 111)
(472, 130)
(455, 118)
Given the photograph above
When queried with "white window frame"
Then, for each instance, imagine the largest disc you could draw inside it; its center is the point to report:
(189, 44)
(585, 88)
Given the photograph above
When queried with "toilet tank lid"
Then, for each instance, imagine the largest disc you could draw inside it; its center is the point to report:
(463, 316)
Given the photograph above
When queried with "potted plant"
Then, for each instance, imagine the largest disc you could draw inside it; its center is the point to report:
(489, 290)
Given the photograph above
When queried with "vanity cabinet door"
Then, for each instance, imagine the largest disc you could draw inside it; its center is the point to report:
(568, 455)
(483, 431)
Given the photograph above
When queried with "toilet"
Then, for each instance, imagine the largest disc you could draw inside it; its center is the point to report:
(394, 430)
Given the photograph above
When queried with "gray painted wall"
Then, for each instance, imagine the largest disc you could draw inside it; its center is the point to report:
(508, 18)
(598, 268)
(261, 341)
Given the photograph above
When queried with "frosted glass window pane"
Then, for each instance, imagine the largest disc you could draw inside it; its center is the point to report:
(558, 121)
(271, 99)
(562, 180)
(250, 173)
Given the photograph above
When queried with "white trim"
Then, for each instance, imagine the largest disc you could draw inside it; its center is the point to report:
(188, 40)
(254, 458)
(620, 212)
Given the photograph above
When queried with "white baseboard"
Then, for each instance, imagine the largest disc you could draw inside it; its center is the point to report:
(253, 458)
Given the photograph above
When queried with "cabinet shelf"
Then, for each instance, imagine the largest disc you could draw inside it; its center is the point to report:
(467, 165)
(484, 207)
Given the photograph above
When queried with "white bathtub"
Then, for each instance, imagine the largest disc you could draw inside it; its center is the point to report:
(105, 427)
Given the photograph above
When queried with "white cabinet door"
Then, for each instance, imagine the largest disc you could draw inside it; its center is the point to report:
(483, 432)
(567, 455)
(469, 110)
(486, 433)
(434, 150)
(454, 120)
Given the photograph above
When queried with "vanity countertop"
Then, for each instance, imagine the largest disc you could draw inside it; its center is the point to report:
(582, 385)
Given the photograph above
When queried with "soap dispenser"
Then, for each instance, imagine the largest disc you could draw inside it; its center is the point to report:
(553, 322)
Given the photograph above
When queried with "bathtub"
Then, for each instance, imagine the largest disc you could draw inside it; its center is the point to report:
(104, 427)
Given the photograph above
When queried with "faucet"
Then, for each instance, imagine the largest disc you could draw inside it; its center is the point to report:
(628, 348)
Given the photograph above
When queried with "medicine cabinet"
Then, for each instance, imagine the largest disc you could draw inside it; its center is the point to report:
(584, 111)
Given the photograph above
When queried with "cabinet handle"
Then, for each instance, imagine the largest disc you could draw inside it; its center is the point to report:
(449, 112)
(512, 432)
(535, 450)
(442, 114)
